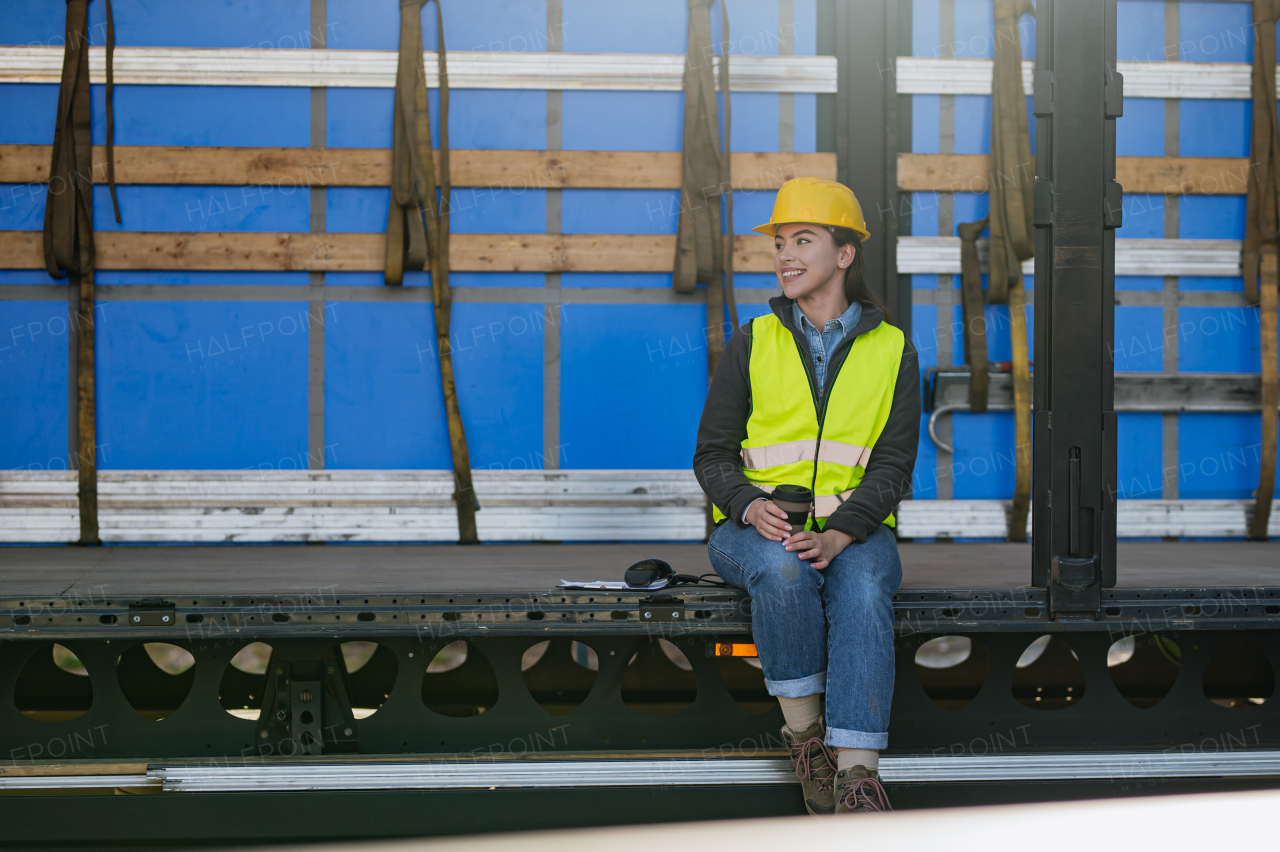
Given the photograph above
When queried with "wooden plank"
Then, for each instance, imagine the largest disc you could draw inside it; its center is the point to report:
(287, 168)
(1184, 175)
(1158, 175)
(943, 172)
(83, 767)
(276, 252)
(287, 252)
(197, 164)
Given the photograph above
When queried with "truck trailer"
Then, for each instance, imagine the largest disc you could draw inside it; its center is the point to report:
(319, 477)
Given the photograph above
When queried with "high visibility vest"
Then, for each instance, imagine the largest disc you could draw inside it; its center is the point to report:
(786, 440)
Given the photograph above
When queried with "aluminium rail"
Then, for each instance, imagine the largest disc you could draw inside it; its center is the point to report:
(678, 771)
(894, 769)
(946, 391)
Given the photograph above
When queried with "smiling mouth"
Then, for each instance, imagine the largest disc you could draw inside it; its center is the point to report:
(791, 274)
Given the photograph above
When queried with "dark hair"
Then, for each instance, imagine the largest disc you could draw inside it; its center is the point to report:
(855, 285)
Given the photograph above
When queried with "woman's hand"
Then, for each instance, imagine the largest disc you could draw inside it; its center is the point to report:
(821, 547)
(769, 520)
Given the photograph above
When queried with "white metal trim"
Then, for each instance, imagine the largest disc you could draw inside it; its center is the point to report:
(377, 69)
(918, 75)
(1208, 80)
(414, 506)
(698, 772)
(1207, 258)
(441, 775)
(358, 506)
(1134, 519)
(599, 71)
(75, 782)
(955, 519)
(1210, 258)
(1113, 767)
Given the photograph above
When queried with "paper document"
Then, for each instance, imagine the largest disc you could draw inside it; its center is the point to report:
(612, 585)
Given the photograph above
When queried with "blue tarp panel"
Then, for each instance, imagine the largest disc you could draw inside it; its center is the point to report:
(1214, 450)
(223, 382)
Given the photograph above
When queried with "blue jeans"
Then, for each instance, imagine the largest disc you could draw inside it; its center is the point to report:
(821, 631)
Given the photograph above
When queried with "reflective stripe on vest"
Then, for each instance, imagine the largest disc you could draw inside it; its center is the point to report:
(785, 442)
(849, 455)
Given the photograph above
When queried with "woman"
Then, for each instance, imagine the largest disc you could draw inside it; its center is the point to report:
(821, 393)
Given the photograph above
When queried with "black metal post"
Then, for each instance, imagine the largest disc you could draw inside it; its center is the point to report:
(1078, 95)
(902, 142)
(866, 45)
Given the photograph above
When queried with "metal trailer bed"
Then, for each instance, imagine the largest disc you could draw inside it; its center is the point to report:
(648, 734)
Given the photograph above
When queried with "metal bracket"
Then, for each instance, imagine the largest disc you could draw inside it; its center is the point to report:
(1113, 209)
(306, 695)
(667, 612)
(1075, 586)
(1113, 94)
(1042, 204)
(1042, 98)
(152, 612)
(662, 608)
(305, 709)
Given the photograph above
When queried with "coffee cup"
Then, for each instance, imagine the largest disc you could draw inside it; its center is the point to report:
(796, 501)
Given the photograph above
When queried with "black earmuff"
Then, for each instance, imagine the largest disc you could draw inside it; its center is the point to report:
(648, 571)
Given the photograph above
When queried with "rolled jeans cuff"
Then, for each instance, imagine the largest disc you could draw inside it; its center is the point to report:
(798, 688)
(841, 738)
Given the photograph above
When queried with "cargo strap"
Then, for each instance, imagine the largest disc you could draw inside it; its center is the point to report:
(704, 252)
(726, 176)
(68, 231)
(1258, 258)
(418, 225)
(973, 314)
(1270, 283)
(704, 246)
(1012, 242)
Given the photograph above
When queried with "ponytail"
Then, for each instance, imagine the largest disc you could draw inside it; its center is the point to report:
(855, 285)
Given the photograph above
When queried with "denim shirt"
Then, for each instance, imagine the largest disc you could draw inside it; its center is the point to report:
(824, 342)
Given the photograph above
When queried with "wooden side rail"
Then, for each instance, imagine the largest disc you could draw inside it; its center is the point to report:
(516, 170)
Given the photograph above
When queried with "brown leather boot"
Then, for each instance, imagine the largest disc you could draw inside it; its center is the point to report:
(815, 766)
(858, 790)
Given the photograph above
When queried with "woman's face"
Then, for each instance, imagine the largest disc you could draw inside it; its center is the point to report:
(806, 258)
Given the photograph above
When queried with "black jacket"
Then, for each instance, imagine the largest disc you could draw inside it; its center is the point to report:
(717, 461)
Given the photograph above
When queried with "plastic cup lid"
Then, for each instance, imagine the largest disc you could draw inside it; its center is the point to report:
(793, 494)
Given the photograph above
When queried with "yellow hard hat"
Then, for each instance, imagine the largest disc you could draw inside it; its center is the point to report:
(822, 202)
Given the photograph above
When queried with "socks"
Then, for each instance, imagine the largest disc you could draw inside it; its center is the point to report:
(801, 713)
(850, 757)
